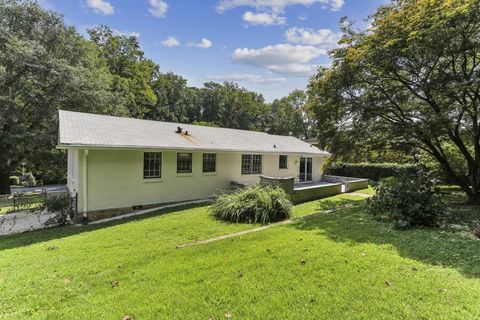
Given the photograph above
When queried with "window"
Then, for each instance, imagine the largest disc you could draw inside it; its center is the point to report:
(152, 165)
(283, 160)
(184, 162)
(209, 162)
(251, 163)
(257, 164)
(246, 163)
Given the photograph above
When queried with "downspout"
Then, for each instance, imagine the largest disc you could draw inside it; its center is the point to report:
(84, 187)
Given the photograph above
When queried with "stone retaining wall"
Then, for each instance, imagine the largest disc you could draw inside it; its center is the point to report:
(316, 192)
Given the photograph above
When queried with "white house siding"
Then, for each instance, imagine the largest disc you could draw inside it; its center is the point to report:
(115, 177)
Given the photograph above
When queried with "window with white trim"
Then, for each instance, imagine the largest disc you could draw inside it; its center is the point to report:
(184, 163)
(251, 163)
(152, 165)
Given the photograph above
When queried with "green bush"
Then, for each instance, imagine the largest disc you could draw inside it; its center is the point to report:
(14, 181)
(410, 199)
(28, 180)
(371, 171)
(60, 206)
(260, 204)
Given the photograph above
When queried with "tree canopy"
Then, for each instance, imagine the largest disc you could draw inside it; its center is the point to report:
(409, 80)
(44, 66)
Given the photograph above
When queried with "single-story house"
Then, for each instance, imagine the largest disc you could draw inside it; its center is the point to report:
(116, 164)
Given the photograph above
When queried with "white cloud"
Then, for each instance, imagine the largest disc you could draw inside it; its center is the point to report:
(277, 5)
(303, 16)
(47, 4)
(245, 77)
(204, 44)
(263, 18)
(337, 4)
(281, 58)
(101, 6)
(278, 54)
(325, 38)
(158, 8)
(171, 42)
(295, 69)
(126, 33)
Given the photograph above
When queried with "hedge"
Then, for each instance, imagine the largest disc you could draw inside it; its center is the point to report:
(371, 171)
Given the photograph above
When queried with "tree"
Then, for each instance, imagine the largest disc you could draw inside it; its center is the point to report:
(44, 66)
(291, 115)
(133, 74)
(230, 106)
(411, 78)
(172, 96)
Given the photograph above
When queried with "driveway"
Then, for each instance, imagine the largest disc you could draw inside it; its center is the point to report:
(48, 188)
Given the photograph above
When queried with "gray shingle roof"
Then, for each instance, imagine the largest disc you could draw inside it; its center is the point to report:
(98, 131)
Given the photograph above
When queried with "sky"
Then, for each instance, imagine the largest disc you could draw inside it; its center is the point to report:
(268, 46)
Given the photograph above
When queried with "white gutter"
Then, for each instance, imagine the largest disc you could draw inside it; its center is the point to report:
(85, 182)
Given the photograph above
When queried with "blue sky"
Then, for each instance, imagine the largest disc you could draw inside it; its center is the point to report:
(270, 46)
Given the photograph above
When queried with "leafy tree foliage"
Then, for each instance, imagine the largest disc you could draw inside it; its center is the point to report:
(411, 79)
(292, 116)
(132, 73)
(228, 105)
(44, 66)
(172, 99)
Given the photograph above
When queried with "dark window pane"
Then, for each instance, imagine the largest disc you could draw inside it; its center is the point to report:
(256, 163)
(309, 169)
(184, 162)
(209, 162)
(302, 170)
(246, 163)
(283, 162)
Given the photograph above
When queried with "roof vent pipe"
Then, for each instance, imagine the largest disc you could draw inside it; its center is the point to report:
(179, 130)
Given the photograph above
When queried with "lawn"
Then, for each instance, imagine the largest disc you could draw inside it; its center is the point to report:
(334, 265)
(26, 201)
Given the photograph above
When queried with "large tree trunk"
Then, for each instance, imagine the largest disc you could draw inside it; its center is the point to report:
(5, 182)
(474, 199)
(474, 194)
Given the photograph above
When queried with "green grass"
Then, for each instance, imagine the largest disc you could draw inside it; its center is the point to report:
(368, 190)
(342, 265)
(27, 201)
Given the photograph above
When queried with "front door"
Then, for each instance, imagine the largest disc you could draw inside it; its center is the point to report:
(306, 169)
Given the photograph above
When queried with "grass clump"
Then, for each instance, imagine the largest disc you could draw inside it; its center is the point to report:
(259, 204)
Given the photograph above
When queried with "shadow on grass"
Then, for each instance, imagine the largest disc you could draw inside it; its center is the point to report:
(330, 204)
(441, 247)
(315, 207)
(33, 237)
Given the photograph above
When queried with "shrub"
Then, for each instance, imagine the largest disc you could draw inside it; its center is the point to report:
(371, 171)
(411, 199)
(28, 180)
(14, 181)
(60, 207)
(260, 204)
